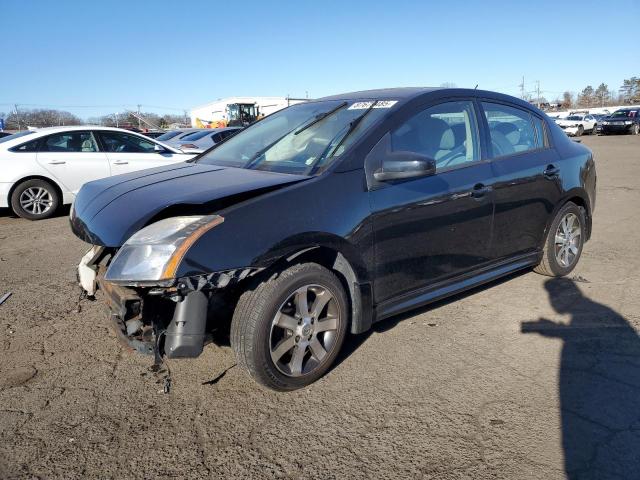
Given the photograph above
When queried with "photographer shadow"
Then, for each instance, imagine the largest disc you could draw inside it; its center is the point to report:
(599, 385)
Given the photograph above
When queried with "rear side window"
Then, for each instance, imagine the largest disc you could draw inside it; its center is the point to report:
(117, 142)
(446, 132)
(31, 146)
(541, 133)
(69, 142)
(512, 130)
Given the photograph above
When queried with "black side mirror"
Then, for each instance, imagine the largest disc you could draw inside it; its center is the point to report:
(401, 165)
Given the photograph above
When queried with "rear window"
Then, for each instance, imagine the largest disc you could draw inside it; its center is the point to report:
(196, 135)
(168, 135)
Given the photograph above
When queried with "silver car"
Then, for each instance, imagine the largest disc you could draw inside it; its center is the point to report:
(197, 142)
(173, 137)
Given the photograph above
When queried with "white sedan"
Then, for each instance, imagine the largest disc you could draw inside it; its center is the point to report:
(44, 168)
(576, 125)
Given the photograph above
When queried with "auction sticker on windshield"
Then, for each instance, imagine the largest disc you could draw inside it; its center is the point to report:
(379, 104)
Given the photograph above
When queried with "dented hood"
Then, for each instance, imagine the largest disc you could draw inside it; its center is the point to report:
(108, 211)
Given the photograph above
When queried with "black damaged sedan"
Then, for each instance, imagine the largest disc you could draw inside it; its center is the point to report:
(328, 216)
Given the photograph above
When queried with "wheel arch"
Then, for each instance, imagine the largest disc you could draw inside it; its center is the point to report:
(577, 196)
(35, 177)
(350, 271)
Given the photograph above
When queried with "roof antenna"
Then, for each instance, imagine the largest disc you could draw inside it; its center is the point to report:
(476, 87)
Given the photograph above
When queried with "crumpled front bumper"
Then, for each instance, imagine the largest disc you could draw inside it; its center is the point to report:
(158, 320)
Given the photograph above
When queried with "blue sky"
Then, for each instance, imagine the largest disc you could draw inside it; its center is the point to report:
(179, 54)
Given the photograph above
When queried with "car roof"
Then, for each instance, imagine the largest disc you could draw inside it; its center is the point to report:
(405, 94)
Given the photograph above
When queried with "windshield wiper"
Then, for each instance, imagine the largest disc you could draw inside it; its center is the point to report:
(321, 117)
(264, 150)
(352, 126)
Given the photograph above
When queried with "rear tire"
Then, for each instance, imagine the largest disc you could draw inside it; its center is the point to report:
(564, 242)
(287, 330)
(35, 199)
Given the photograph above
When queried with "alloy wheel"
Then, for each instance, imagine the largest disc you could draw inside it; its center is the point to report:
(36, 200)
(304, 331)
(567, 241)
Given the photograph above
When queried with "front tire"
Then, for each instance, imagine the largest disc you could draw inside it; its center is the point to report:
(35, 199)
(580, 131)
(635, 129)
(287, 330)
(564, 242)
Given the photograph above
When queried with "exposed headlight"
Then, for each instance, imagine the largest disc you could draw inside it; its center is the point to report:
(154, 253)
(628, 122)
(605, 123)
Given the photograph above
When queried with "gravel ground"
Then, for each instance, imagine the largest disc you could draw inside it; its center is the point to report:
(527, 378)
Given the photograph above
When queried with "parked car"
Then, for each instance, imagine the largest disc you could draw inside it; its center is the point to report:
(577, 124)
(328, 216)
(172, 137)
(624, 120)
(153, 133)
(198, 142)
(44, 168)
(600, 117)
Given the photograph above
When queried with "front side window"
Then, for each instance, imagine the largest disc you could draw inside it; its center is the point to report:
(69, 142)
(446, 133)
(303, 139)
(117, 142)
(511, 129)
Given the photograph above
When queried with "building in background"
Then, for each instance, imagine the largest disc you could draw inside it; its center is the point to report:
(238, 111)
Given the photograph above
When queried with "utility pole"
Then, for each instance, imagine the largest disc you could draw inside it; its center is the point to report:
(17, 115)
(139, 121)
(186, 122)
(522, 88)
(538, 92)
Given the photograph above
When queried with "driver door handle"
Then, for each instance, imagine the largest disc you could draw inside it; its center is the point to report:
(56, 162)
(480, 190)
(120, 162)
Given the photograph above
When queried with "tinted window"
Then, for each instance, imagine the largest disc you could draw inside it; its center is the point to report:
(69, 142)
(31, 146)
(511, 129)
(117, 142)
(446, 132)
(228, 133)
(217, 137)
(196, 135)
(168, 135)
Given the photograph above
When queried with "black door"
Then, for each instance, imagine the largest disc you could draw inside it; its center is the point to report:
(527, 183)
(432, 228)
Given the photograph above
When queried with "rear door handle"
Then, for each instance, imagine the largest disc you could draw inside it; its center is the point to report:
(480, 190)
(120, 162)
(56, 162)
(551, 171)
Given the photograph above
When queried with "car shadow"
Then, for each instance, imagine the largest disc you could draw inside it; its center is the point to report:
(599, 384)
(62, 211)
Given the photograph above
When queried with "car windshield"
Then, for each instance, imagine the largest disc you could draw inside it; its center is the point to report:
(168, 135)
(623, 114)
(574, 117)
(15, 135)
(197, 135)
(302, 139)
